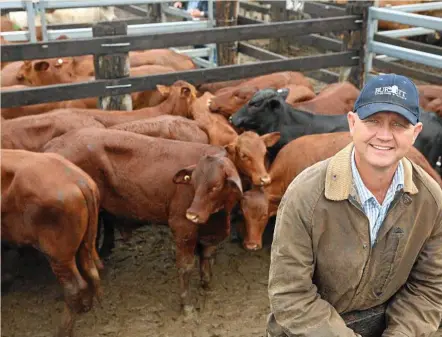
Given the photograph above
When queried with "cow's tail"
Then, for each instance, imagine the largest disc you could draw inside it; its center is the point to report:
(89, 259)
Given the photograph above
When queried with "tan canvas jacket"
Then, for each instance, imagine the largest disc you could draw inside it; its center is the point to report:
(322, 262)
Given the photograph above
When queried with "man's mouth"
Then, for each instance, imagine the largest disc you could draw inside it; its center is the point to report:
(382, 148)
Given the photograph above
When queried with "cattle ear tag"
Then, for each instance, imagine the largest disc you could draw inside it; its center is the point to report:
(183, 176)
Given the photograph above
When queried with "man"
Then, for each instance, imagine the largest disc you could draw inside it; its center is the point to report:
(198, 9)
(361, 228)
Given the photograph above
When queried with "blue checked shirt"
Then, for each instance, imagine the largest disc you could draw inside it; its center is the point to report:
(372, 209)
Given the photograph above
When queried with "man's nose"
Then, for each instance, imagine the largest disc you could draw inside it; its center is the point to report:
(384, 132)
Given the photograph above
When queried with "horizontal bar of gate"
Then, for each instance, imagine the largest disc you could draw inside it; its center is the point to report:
(430, 6)
(411, 19)
(103, 45)
(97, 88)
(406, 54)
(86, 33)
(55, 4)
(416, 31)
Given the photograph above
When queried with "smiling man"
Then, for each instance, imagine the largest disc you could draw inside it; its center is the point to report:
(361, 228)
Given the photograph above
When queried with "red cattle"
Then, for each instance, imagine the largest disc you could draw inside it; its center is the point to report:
(36, 109)
(49, 203)
(33, 132)
(430, 98)
(259, 204)
(169, 127)
(219, 130)
(179, 98)
(227, 102)
(335, 99)
(161, 57)
(190, 186)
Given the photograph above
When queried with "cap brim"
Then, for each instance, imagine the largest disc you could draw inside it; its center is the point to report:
(370, 109)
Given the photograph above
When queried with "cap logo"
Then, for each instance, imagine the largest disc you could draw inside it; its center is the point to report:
(393, 90)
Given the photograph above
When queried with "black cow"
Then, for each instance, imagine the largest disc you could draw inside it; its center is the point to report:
(267, 111)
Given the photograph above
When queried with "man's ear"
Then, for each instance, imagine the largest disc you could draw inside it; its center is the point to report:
(417, 130)
(351, 119)
(184, 176)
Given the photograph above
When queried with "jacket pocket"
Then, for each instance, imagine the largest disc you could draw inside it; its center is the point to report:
(390, 257)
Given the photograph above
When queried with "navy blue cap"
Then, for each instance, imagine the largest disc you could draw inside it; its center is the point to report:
(389, 92)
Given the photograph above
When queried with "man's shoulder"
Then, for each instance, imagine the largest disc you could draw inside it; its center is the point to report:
(426, 184)
(307, 186)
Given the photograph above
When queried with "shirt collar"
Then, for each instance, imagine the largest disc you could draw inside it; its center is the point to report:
(364, 193)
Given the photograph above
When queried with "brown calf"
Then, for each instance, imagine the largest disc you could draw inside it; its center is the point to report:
(430, 98)
(219, 130)
(190, 186)
(52, 205)
(335, 99)
(161, 57)
(33, 132)
(169, 127)
(229, 102)
(179, 98)
(260, 204)
(36, 109)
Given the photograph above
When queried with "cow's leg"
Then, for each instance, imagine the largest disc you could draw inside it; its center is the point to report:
(185, 236)
(206, 263)
(74, 287)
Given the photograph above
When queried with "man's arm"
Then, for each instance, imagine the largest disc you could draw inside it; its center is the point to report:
(416, 309)
(294, 300)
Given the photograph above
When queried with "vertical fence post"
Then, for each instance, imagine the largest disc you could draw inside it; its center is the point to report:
(278, 12)
(226, 15)
(356, 40)
(154, 12)
(112, 66)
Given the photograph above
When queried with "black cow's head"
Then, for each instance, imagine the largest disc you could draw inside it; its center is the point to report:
(261, 110)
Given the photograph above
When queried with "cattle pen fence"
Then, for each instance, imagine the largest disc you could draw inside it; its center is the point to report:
(348, 23)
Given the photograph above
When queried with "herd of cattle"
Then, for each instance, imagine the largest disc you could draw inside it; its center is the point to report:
(185, 156)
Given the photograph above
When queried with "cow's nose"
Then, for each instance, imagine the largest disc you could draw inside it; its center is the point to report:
(266, 180)
(252, 246)
(192, 217)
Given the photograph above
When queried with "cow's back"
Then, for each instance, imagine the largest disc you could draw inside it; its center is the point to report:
(168, 127)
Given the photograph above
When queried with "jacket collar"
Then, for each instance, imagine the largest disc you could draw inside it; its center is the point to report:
(339, 178)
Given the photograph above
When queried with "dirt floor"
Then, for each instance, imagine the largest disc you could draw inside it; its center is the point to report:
(141, 295)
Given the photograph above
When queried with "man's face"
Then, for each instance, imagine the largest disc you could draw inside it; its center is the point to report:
(382, 139)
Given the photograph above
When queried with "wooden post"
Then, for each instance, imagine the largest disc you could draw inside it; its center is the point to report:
(226, 15)
(356, 40)
(154, 12)
(278, 12)
(112, 66)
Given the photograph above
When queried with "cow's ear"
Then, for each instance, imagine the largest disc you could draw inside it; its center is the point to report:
(184, 176)
(230, 148)
(235, 183)
(271, 139)
(185, 92)
(41, 66)
(283, 92)
(164, 90)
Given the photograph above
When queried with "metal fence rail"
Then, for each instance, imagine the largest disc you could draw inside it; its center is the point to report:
(402, 14)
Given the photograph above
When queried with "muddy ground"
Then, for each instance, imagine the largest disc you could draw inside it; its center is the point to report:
(141, 295)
